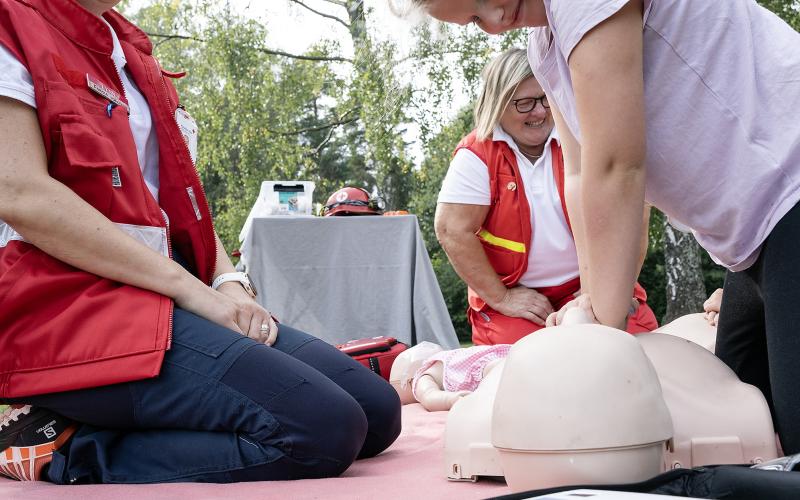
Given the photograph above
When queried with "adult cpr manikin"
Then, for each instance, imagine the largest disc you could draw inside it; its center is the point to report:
(717, 419)
(579, 404)
(694, 327)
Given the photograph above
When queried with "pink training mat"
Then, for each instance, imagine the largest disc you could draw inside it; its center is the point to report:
(410, 468)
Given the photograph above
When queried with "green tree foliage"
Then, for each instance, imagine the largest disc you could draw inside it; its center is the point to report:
(788, 10)
(267, 115)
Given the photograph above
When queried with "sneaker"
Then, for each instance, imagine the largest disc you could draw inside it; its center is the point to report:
(28, 437)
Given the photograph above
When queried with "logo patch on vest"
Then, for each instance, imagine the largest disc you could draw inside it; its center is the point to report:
(105, 91)
(512, 186)
(116, 180)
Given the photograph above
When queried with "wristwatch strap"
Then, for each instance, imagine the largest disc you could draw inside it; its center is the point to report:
(242, 278)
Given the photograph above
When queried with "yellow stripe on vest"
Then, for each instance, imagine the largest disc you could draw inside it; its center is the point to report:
(514, 246)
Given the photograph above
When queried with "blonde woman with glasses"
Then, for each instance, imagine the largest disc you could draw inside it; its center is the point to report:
(501, 215)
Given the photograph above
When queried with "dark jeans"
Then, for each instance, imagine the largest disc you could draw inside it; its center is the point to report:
(226, 408)
(758, 334)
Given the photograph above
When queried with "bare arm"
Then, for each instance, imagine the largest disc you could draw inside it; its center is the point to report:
(606, 71)
(56, 220)
(53, 218)
(250, 318)
(456, 226)
(645, 238)
(572, 169)
(572, 187)
(429, 391)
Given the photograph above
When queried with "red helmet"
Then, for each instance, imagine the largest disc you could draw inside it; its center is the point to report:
(353, 201)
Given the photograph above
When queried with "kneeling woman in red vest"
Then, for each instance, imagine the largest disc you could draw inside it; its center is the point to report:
(501, 215)
(130, 350)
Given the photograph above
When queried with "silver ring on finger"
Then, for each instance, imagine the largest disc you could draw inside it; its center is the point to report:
(264, 327)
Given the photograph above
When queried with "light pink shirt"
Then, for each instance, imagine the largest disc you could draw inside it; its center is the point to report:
(722, 95)
(463, 368)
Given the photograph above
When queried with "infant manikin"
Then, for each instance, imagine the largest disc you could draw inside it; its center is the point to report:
(437, 379)
(447, 376)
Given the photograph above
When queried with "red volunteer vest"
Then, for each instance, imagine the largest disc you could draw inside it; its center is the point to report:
(506, 232)
(63, 328)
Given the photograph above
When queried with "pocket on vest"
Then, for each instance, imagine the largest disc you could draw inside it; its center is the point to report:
(86, 162)
(504, 261)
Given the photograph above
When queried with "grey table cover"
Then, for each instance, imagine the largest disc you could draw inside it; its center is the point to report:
(342, 278)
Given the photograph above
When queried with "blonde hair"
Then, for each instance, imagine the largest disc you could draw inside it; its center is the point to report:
(501, 77)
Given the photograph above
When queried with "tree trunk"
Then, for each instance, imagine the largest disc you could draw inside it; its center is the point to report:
(358, 24)
(685, 289)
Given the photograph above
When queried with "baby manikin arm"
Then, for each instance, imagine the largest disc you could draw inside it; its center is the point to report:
(429, 390)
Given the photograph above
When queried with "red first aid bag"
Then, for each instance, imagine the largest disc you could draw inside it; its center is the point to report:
(376, 353)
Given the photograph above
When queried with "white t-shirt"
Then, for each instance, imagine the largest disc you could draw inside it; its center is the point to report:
(552, 259)
(722, 90)
(16, 83)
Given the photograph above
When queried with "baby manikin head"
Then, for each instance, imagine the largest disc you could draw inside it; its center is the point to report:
(406, 365)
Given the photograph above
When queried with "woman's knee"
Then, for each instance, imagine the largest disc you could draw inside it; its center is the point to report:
(329, 435)
(383, 410)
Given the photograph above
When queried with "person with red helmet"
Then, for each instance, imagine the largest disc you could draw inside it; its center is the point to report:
(353, 201)
(501, 216)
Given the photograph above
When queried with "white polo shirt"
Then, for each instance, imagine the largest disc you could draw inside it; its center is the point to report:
(552, 259)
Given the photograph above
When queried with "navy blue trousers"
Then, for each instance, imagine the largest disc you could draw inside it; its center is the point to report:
(225, 409)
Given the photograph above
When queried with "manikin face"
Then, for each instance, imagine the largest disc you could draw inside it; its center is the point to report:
(529, 130)
(492, 16)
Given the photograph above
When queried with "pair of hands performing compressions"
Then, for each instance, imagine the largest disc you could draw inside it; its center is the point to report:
(529, 304)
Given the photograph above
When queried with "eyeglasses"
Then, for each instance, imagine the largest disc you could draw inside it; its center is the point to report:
(528, 104)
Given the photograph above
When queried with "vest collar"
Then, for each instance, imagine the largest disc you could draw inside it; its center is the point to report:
(84, 28)
(500, 135)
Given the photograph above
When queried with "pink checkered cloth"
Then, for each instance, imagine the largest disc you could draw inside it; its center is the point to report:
(463, 368)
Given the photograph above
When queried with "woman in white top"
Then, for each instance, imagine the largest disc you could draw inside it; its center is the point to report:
(690, 105)
(501, 216)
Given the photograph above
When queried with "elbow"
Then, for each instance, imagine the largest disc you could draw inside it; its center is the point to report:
(625, 165)
(446, 234)
(440, 228)
(617, 158)
(627, 173)
(18, 200)
(11, 199)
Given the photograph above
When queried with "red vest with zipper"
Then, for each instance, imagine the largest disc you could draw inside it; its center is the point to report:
(62, 328)
(508, 224)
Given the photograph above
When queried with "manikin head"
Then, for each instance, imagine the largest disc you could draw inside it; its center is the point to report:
(512, 98)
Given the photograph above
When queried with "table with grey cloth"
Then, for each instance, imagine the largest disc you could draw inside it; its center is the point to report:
(341, 278)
